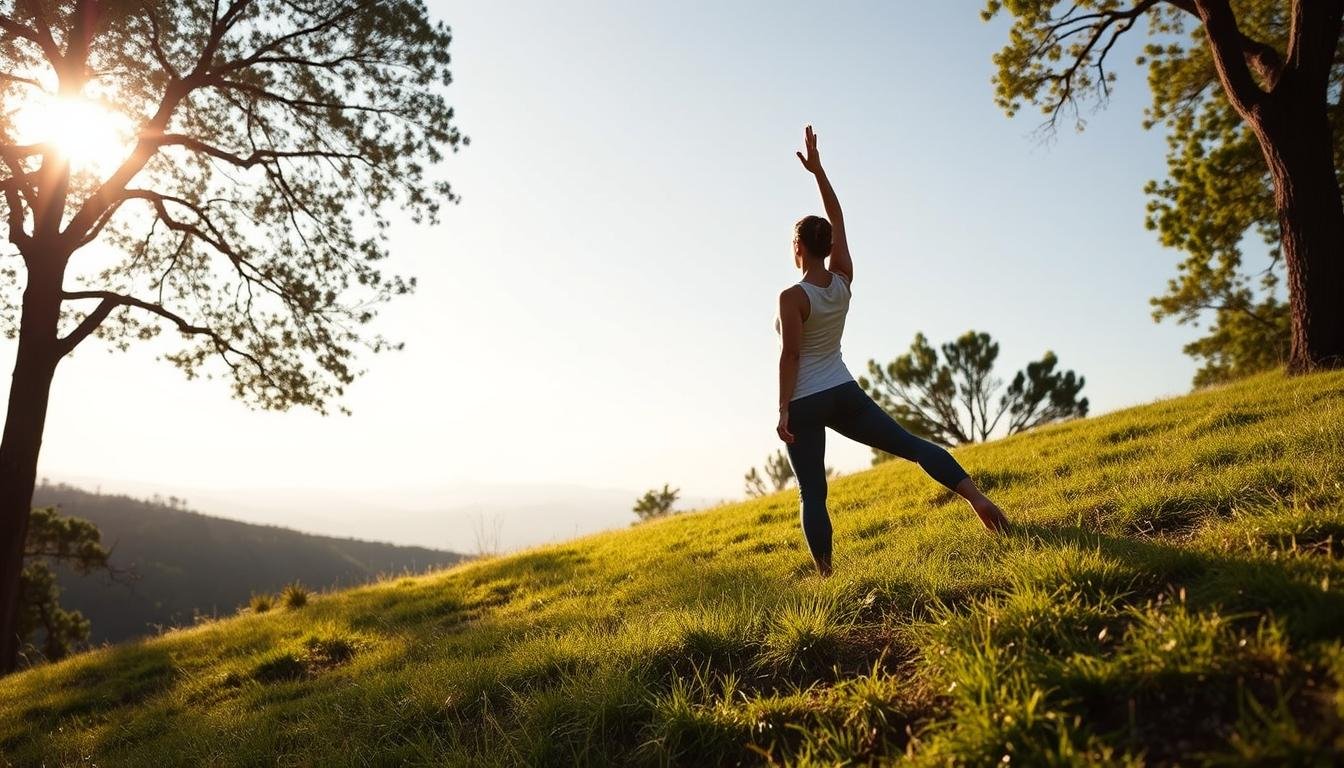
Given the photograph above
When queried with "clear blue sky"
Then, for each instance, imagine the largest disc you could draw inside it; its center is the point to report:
(598, 310)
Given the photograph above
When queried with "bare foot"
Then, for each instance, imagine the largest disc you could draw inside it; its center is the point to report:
(823, 566)
(991, 516)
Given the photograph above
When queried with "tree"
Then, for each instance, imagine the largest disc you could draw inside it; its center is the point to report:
(1260, 80)
(779, 472)
(54, 538)
(777, 469)
(1218, 192)
(265, 142)
(952, 401)
(656, 503)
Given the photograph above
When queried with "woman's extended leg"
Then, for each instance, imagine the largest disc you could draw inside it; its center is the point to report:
(859, 418)
(807, 454)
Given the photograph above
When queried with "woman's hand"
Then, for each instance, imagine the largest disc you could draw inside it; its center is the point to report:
(812, 162)
(783, 429)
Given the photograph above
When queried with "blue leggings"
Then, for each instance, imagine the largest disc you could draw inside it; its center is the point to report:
(848, 410)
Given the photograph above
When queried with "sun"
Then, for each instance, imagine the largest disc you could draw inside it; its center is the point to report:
(90, 136)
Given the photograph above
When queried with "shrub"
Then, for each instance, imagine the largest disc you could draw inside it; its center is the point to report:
(295, 595)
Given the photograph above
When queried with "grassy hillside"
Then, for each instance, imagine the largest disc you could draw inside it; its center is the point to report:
(1174, 591)
(182, 563)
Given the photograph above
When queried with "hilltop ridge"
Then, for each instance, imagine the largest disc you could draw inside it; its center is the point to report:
(178, 563)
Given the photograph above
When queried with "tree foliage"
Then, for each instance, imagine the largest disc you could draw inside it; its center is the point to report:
(656, 503)
(1218, 195)
(953, 400)
(48, 631)
(777, 470)
(266, 143)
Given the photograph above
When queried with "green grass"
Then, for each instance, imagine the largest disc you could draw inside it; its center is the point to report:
(1173, 592)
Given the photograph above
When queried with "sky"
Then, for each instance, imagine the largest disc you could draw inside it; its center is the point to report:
(595, 317)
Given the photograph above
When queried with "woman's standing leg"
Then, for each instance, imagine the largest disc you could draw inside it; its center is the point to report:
(857, 417)
(807, 454)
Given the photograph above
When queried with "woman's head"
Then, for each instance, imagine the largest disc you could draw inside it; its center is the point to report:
(811, 239)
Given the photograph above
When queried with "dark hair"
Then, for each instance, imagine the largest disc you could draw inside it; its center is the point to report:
(814, 233)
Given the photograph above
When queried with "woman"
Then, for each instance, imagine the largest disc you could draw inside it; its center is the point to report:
(816, 391)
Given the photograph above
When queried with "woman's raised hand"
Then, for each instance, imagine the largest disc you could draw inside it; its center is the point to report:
(812, 161)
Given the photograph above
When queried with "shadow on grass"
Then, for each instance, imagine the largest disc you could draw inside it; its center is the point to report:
(127, 675)
(1231, 583)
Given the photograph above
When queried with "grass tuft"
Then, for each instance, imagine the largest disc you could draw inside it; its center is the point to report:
(807, 631)
(261, 603)
(294, 595)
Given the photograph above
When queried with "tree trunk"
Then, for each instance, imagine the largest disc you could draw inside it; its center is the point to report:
(34, 365)
(1311, 218)
(1296, 138)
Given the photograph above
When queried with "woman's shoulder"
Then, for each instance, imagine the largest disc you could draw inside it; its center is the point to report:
(844, 280)
(795, 295)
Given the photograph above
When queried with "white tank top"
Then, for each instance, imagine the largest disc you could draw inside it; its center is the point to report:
(820, 365)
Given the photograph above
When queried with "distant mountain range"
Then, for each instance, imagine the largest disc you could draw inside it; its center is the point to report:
(452, 515)
(182, 563)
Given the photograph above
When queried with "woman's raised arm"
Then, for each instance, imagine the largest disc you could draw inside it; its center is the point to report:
(840, 259)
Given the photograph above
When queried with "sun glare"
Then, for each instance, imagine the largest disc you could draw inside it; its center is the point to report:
(92, 137)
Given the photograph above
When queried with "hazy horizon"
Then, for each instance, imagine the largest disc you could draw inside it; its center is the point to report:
(439, 518)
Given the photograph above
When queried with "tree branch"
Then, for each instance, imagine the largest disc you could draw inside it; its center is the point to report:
(1003, 408)
(1237, 307)
(1229, 57)
(20, 151)
(110, 190)
(18, 189)
(219, 27)
(288, 101)
(1263, 57)
(943, 415)
(274, 45)
(177, 90)
(1097, 23)
(156, 44)
(204, 230)
(16, 216)
(159, 200)
(111, 300)
(86, 17)
(11, 78)
(257, 157)
(26, 32)
(88, 325)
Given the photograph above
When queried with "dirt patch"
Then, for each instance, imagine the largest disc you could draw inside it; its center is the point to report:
(318, 655)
